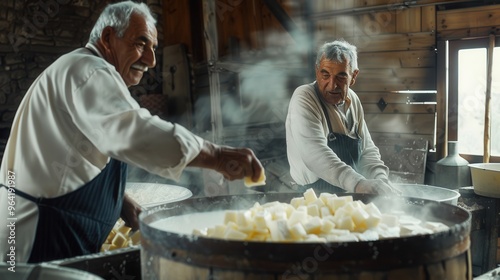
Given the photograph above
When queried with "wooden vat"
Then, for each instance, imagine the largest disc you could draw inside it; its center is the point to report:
(443, 255)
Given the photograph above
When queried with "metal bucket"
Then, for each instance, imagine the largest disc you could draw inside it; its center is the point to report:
(168, 254)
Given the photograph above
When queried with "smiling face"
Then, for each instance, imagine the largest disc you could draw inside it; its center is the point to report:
(134, 52)
(334, 79)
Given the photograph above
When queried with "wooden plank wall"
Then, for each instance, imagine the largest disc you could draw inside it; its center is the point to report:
(481, 21)
(241, 25)
(396, 53)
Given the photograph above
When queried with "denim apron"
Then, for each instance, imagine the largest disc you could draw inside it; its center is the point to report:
(78, 222)
(346, 148)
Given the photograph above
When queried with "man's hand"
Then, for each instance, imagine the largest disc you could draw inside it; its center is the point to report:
(376, 186)
(232, 163)
(130, 212)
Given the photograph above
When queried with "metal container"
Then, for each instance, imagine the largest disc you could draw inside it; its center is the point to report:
(116, 264)
(429, 192)
(44, 271)
(486, 179)
(453, 170)
(166, 254)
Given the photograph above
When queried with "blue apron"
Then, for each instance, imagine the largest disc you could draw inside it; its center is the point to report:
(79, 222)
(346, 148)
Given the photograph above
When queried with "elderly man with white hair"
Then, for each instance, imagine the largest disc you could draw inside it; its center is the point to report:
(329, 146)
(63, 170)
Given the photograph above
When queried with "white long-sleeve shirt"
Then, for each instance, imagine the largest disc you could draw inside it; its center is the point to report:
(75, 116)
(308, 153)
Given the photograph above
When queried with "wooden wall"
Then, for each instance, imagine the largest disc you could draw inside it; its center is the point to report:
(396, 54)
(242, 25)
(397, 43)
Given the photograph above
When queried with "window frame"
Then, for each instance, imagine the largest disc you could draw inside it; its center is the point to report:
(452, 49)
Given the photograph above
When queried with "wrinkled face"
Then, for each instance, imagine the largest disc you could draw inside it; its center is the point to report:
(334, 79)
(134, 52)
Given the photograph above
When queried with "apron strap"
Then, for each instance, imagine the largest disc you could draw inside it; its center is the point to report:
(36, 200)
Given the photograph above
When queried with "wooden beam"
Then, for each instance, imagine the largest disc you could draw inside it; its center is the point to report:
(283, 18)
(469, 18)
(458, 34)
(442, 100)
(390, 42)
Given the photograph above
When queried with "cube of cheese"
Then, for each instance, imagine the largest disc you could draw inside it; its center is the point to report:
(298, 201)
(385, 232)
(313, 210)
(244, 218)
(278, 230)
(298, 231)
(136, 238)
(314, 238)
(336, 202)
(360, 217)
(389, 220)
(346, 222)
(337, 231)
(313, 225)
(368, 235)
(324, 212)
(372, 209)
(310, 196)
(327, 227)
(324, 197)
(297, 216)
(260, 182)
(231, 233)
(261, 218)
(349, 207)
(119, 240)
(408, 220)
(279, 215)
(230, 216)
(342, 238)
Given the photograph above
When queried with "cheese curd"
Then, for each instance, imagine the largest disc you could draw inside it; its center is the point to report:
(121, 237)
(327, 218)
(260, 182)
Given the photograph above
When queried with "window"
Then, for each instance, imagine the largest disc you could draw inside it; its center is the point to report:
(466, 100)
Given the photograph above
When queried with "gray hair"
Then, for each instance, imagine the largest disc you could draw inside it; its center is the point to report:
(339, 51)
(118, 16)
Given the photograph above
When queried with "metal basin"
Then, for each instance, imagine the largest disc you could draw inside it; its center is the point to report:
(429, 192)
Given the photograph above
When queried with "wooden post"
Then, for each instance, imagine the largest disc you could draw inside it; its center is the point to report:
(487, 114)
(211, 43)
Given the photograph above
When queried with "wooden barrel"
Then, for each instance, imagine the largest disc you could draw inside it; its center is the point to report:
(443, 255)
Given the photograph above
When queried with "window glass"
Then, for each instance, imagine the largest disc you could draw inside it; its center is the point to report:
(471, 101)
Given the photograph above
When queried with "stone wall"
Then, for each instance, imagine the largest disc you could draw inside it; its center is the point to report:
(34, 33)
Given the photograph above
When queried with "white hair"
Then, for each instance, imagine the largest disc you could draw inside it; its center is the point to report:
(117, 16)
(339, 51)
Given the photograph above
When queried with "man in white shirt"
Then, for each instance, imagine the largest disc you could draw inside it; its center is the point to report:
(329, 147)
(63, 171)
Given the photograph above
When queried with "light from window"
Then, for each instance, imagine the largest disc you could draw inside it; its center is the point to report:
(471, 101)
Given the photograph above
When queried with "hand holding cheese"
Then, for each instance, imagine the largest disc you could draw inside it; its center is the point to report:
(260, 182)
(232, 163)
